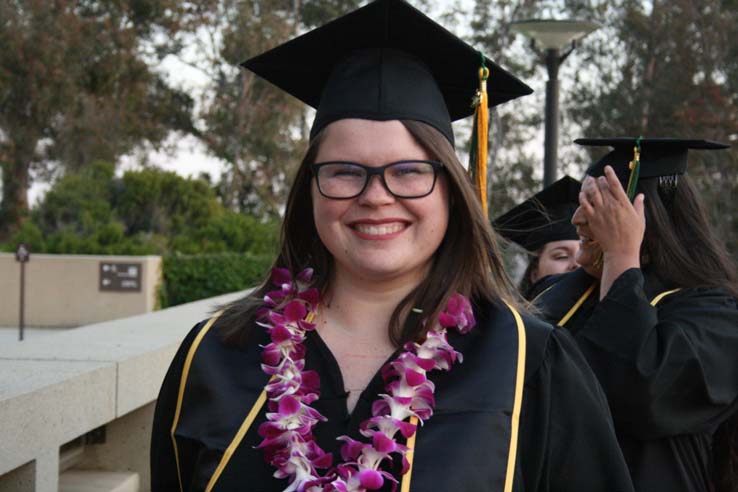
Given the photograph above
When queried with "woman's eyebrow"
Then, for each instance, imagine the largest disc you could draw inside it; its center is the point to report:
(565, 249)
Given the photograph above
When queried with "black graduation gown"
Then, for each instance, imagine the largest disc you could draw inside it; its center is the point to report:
(670, 371)
(566, 438)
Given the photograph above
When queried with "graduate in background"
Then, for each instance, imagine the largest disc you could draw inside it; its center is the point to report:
(654, 310)
(542, 226)
(320, 380)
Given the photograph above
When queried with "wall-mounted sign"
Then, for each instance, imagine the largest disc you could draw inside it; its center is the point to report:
(120, 277)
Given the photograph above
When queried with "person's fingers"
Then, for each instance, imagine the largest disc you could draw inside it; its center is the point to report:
(616, 188)
(591, 189)
(639, 205)
(608, 199)
(586, 205)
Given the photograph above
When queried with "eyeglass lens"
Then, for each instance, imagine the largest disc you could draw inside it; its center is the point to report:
(407, 179)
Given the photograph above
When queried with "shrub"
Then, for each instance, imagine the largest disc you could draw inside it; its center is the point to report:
(191, 277)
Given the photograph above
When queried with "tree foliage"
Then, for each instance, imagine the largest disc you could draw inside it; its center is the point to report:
(260, 131)
(658, 69)
(78, 83)
(671, 73)
(142, 212)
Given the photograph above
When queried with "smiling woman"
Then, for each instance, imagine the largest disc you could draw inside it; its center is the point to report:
(388, 276)
(375, 235)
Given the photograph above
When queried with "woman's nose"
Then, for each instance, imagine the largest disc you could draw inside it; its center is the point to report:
(376, 193)
(578, 218)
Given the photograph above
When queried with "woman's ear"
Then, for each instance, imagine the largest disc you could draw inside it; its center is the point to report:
(533, 276)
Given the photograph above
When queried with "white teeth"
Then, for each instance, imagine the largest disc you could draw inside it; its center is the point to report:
(379, 229)
(585, 240)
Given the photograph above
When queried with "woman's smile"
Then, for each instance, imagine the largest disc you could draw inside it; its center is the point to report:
(381, 229)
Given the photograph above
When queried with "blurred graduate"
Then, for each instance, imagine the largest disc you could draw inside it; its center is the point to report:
(653, 309)
(542, 226)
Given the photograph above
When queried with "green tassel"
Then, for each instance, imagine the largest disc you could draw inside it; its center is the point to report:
(635, 170)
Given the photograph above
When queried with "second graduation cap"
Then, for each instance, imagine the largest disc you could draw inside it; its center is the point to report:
(543, 218)
(384, 61)
(658, 156)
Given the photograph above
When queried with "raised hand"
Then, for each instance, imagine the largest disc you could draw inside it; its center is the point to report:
(614, 223)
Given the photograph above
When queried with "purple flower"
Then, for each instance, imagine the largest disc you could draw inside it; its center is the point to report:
(458, 314)
(288, 443)
(350, 449)
(371, 479)
(311, 296)
(281, 276)
(295, 311)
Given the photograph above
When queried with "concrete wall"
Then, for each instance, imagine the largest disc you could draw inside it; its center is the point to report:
(63, 290)
(57, 388)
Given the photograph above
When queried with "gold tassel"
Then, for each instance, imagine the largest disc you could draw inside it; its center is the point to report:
(481, 115)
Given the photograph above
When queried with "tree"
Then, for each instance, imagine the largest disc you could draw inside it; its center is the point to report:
(149, 211)
(655, 82)
(77, 217)
(77, 84)
(662, 68)
(260, 131)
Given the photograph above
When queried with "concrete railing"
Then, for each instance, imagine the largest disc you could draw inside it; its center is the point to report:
(86, 396)
(68, 290)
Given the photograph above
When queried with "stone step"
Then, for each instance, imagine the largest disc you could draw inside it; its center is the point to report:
(98, 481)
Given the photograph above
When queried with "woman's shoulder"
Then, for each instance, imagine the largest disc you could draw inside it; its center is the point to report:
(538, 336)
(189, 343)
(214, 378)
(199, 331)
(203, 333)
(205, 354)
(546, 346)
(665, 295)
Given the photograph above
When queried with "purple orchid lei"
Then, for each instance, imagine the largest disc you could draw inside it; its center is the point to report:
(288, 442)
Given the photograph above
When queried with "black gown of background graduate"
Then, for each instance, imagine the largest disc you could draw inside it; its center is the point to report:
(670, 371)
(566, 440)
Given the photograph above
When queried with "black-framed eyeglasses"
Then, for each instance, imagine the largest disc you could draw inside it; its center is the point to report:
(403, 179)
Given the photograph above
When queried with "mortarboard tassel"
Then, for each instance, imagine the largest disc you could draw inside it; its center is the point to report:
(635, 169)
(478, 152)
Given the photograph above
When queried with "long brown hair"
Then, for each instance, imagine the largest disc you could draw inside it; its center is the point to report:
(681, 247)
(468, 260)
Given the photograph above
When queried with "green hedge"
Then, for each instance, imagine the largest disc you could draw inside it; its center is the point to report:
(191, 277)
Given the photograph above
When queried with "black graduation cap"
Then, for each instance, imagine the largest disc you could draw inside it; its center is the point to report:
(658, 156)
(544, 217)
(384, 61)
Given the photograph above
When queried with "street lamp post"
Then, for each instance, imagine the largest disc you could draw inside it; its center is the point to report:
(552, 36)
